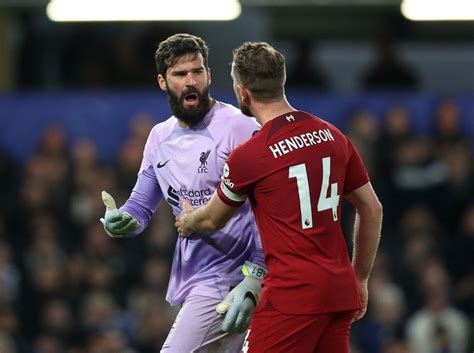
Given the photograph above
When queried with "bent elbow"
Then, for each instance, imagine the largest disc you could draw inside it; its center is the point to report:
(372, 210)
(378, 209)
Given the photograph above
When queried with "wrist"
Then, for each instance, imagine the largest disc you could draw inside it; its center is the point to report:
(362, 280)
(254, 271)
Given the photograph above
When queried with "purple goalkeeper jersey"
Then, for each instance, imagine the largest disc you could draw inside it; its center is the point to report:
(188, 162)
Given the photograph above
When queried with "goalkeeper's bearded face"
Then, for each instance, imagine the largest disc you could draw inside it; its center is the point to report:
(190, 115)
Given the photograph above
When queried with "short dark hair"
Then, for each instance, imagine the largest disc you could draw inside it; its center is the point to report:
(260, 68)
(178, 45)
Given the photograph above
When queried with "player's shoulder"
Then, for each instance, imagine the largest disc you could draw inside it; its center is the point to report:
(252, 146)
(323, 124)
(231, 116)
(163, 129)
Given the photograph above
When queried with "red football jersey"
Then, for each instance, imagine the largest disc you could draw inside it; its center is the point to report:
(294, 172)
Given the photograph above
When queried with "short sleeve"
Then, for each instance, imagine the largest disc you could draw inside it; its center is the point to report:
(356, 174)
(237, 178)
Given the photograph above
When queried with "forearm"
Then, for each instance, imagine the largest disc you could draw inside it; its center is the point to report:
(201, 220)
(144, 199)
(211, 217)
(367, 228)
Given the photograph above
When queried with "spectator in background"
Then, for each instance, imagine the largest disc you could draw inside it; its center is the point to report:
(10, 275)
(140, 127)
(305, 73)
(396, 129)
(386, 314)
(459, 256)
(396, 345)
(447, 126)
(131, 152)
(53, 142)
(125, 64)
(154, 316)
(437, 326)
(8, 179)
(12, 339)
(363, 131)
(417, 239)
(388, 72)
(87, 173)
(110, 340)
(458, 189)
(57, 319)
(46, 343)
(100, 311)
(414, 173)
(6, 344)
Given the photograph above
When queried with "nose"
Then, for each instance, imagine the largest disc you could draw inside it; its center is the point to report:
(190, 79)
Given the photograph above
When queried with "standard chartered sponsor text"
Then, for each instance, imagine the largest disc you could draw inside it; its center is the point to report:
(196, 197)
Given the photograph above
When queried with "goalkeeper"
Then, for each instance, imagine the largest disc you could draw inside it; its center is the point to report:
(184, 157)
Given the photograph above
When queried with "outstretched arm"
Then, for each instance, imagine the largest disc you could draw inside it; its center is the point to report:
(211, 217)
(134, 216)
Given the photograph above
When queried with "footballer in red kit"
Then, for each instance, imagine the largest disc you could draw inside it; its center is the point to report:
(304, 167)
(295, 171)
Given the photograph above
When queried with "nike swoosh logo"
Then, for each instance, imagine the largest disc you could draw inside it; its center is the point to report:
(159, 165)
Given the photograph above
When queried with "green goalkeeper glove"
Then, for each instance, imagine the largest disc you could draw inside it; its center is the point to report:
(240, 303)
(116, 223)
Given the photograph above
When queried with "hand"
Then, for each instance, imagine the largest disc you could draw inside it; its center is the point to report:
(237, 318)
(364, 298)
(116, 223)
(183, 220)
(240, 303)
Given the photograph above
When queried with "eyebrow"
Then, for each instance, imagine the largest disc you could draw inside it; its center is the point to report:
(177, 72)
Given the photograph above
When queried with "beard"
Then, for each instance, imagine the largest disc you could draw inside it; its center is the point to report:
(194, 115)
(245, 109)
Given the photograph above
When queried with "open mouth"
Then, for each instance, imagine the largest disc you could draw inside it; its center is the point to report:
(191, 100)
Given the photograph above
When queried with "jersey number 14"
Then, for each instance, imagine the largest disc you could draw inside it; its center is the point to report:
(324, 203)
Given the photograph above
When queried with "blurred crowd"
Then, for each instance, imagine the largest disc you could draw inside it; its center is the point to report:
(66, 287)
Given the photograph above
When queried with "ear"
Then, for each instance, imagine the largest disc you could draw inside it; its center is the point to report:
(161, 82)
(244, 93)
(209, 76)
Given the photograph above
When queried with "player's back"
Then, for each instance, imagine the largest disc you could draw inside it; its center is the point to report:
(296, 195)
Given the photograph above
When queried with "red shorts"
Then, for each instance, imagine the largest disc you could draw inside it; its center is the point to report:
(272, 331)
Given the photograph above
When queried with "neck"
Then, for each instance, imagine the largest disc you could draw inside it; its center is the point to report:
(265, 112)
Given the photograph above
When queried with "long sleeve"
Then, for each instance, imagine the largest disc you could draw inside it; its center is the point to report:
(144, 199)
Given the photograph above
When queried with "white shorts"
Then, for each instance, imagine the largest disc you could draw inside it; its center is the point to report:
(197, 328)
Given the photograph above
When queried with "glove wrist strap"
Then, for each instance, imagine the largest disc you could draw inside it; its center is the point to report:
(251, 296)
(253, 270)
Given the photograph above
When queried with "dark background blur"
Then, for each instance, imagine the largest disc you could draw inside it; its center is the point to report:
(78, 101)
